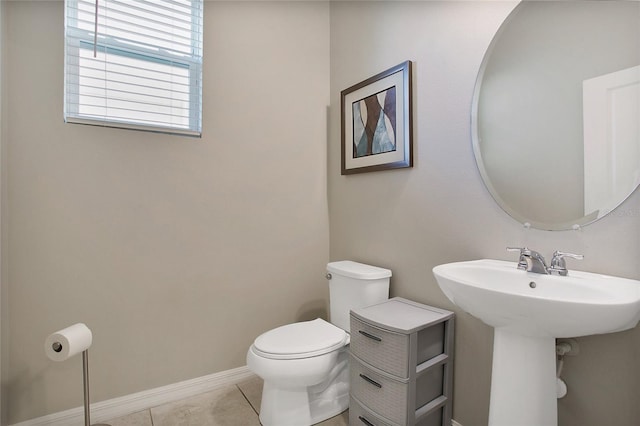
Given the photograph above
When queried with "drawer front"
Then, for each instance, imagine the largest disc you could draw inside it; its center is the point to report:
(429, 385)
(383, 349)
(360, 416)
(430, 342)
(383, 395)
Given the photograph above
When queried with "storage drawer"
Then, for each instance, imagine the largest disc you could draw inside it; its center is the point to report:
(383, 349)
(430, 342)
(375, 389)
(361, 416)
(429, 385)
(401, 361)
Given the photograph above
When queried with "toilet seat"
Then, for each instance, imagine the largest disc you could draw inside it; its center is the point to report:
(300, 340)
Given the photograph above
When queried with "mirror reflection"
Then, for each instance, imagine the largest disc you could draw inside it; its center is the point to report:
(556, 114)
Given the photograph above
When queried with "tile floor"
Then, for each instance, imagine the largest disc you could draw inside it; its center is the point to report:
(236, 405)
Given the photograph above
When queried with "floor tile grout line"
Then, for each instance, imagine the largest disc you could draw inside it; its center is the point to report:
(247, 399)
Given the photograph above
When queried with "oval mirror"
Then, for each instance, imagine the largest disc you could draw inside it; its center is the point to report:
(556, 111)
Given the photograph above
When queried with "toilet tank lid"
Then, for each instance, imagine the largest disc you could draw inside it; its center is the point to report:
(357, 270)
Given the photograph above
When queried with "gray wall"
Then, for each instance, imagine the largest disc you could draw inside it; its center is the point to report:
(176, 252)
(413, 219)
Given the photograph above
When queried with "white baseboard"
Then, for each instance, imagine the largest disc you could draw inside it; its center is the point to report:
(125, 405)
(454, 423)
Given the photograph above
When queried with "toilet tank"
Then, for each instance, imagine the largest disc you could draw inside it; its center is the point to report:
(354, 285)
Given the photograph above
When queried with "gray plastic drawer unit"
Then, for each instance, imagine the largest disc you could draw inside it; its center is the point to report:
(401, 367)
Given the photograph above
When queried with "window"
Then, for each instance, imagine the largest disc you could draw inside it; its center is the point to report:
(134, 64)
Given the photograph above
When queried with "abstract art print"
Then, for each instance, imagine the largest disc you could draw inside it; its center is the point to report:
(376, 122)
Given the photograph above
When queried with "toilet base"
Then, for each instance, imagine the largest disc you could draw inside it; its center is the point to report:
(305, 406)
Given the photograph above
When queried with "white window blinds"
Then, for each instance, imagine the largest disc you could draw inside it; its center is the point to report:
(134, 64)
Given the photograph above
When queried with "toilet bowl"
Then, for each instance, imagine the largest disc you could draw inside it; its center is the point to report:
(305, 365)
(305, 371)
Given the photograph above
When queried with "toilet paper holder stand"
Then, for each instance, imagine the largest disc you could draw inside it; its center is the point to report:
(62, 348)
(57, 347)
(85, 383)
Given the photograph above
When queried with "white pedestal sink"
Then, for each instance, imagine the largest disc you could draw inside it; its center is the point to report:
(529, 311)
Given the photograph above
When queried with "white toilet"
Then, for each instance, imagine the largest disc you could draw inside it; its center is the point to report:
(305, 365)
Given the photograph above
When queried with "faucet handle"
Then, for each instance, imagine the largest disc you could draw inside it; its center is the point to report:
(517, 248)
(524, 251)
(558, 265)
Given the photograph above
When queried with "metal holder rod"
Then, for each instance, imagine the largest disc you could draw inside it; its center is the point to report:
(85, 382)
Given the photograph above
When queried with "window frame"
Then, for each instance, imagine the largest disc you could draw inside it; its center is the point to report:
(77, 39)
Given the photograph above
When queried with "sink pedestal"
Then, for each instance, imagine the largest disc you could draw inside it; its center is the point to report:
(523, 382)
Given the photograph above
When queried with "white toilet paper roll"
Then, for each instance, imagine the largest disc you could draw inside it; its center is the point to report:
(68, 342)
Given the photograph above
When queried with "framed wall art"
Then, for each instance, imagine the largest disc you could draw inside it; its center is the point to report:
(377, 122)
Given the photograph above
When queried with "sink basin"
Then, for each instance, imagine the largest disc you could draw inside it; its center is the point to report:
(526, 303)
(529, 311)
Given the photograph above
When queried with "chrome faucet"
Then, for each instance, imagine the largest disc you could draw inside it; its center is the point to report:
(532, 261)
